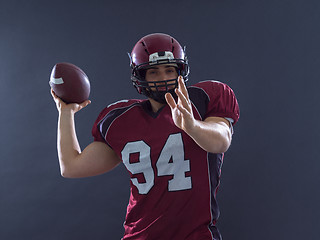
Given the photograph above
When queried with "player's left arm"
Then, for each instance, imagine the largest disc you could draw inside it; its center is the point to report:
(213, 134)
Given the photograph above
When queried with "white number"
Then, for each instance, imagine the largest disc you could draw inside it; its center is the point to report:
(143, 166)
(172, 150)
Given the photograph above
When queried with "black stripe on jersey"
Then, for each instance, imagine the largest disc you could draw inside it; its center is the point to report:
(214, 163)
(105, 123)
(200, 100)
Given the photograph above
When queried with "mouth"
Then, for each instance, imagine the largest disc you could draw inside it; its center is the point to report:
(163, 88)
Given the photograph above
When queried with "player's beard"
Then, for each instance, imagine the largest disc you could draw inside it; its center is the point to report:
(159, 96)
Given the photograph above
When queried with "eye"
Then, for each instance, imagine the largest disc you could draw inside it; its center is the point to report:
(170, 70)
(152, 72)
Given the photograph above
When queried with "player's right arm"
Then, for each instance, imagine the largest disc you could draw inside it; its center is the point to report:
(96, 158)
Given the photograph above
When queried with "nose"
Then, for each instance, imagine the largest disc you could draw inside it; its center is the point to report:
(164, 76)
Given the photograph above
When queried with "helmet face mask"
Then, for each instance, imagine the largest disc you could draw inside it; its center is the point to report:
(156, 89)
(152, 50)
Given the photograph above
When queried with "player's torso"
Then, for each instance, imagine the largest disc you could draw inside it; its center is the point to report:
(173, 181)
(169, 174)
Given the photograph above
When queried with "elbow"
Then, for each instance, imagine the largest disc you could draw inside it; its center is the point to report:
(68, 168)
(219, 148)
(226, 142)
(66, 173)
(224, 147)
(222, 143)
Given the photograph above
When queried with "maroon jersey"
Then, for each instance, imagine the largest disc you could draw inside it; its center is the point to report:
(173, 180)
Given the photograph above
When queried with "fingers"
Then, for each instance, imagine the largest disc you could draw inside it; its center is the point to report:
(171, 102)
(182, 99)
(184, 104)
(74, 107)
(183, 96)
(55, 97)
(182, 93)
(183, 110)
(53, 93)
(183, 87)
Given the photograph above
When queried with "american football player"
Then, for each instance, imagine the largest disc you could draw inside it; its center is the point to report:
(172, 144)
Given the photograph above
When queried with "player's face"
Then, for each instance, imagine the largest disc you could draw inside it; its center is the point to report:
(161, 73)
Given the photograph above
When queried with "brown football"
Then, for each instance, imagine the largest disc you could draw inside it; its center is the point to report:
(69, 83)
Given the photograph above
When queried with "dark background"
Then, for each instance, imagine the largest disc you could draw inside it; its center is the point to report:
(267, 51)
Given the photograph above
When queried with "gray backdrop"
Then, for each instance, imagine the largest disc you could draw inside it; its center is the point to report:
(267, 51)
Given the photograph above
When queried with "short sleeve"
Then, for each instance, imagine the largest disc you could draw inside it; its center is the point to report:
(106, 117)
(96, 129)
(220, 100)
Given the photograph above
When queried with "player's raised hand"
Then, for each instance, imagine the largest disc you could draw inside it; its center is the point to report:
(182, 110)
(73, 107)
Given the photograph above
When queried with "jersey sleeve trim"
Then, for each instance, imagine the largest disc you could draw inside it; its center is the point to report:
(199, 99)
(106, 121)
(214, 99)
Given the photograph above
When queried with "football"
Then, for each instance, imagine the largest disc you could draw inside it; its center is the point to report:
(69, 83)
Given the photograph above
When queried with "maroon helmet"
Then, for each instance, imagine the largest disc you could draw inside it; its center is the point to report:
(155, 49)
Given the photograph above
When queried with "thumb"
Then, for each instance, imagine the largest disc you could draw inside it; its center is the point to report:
(84, 104)
(78, 107)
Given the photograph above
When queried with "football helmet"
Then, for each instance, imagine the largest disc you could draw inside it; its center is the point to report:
(155, 49)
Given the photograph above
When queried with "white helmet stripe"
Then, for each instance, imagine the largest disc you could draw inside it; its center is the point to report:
(160, 56)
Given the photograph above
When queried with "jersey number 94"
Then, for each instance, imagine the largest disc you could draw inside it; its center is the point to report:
(170, 162)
